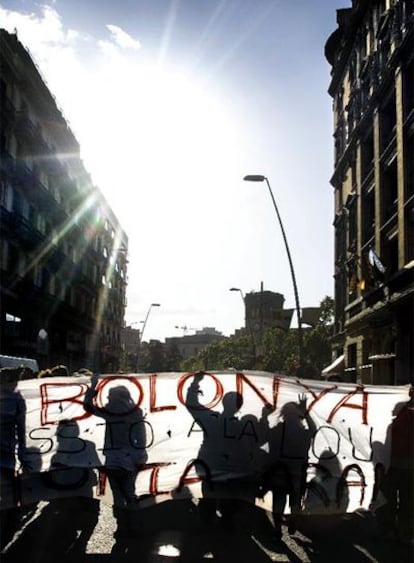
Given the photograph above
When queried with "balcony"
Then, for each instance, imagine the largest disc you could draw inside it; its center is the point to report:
(7, 163)
(26, 232)
(401, 280)
(22, 174)
(20, 229)
(83, 280)
(374, 295)
(56, 258)
(25, 126)
(31, 132)
(7, 111)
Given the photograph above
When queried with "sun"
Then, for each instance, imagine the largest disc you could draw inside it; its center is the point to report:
(157, 124)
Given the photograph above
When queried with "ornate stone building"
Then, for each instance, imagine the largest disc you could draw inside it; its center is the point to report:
(372, 87)
(62, 250)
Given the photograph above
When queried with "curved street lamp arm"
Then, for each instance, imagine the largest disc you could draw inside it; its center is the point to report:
(292, 271)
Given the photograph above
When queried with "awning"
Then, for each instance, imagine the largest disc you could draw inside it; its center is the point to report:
(334, 366)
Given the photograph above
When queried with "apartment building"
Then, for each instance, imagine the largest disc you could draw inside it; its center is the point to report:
(63, 252)
(190, 345)
(372, 87)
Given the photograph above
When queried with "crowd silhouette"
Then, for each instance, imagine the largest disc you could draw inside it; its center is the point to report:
(231, 442)
(241, 459)
(124, 448)
(396, 515)
(12, 443)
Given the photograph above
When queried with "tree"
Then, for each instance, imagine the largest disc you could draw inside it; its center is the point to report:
(317, 341)
(172, 357)
(233, 352)
(278, 347)
(278, 350)
(327, 312)
(156, 359)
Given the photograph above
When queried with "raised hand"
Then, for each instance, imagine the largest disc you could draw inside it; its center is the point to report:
(302, 400)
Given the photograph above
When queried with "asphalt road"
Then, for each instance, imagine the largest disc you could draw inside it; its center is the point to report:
(75, 531)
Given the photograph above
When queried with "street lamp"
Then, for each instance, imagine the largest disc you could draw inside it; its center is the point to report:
(260, 178)
(141, 334)
(247, 319)
(244, 304)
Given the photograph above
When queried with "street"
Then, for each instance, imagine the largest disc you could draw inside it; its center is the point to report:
(172, 531)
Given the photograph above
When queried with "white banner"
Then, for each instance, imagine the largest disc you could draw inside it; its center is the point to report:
(244, 435)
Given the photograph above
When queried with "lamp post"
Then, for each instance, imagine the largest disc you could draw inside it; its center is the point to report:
(131, 325)
(141, 334)
(260, 178)
(247, 319)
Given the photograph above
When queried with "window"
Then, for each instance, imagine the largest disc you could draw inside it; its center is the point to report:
(409, 170)
(388, 121)
(4, 255)
(52, 284)
(17, 203)
(408, 89)
(6, 196)
(54, 236)
(72, 297)
(367, 155)
(389, 251)
(57, 195)
(352, 361)
(38, 276)
(21, 266)
(409, 233)
(368, 214)
(41, 223)
(25, 208)
(43, 178)
(339, 238)
(389, 191)
(352, 227)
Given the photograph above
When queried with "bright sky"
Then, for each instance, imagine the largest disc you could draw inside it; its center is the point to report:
(173, 103)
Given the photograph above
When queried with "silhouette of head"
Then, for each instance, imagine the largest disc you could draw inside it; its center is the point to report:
(67, 429)
(120, 400)
(291, 411)
(59, 370)
(10, 376)
(232, 402)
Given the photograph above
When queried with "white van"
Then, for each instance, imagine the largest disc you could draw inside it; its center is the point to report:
(15, 362)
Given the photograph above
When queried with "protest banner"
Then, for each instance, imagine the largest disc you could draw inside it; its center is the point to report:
(241, 434)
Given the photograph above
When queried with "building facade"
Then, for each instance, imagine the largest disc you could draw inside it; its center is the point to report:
(372, 86)
(190, 345)
(63, 252)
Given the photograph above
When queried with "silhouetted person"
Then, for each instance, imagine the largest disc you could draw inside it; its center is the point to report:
(12, 443)
(67, 465)
(396, 517)
(325, 493)
(124, 447)
(289, 445)
(220, 451)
